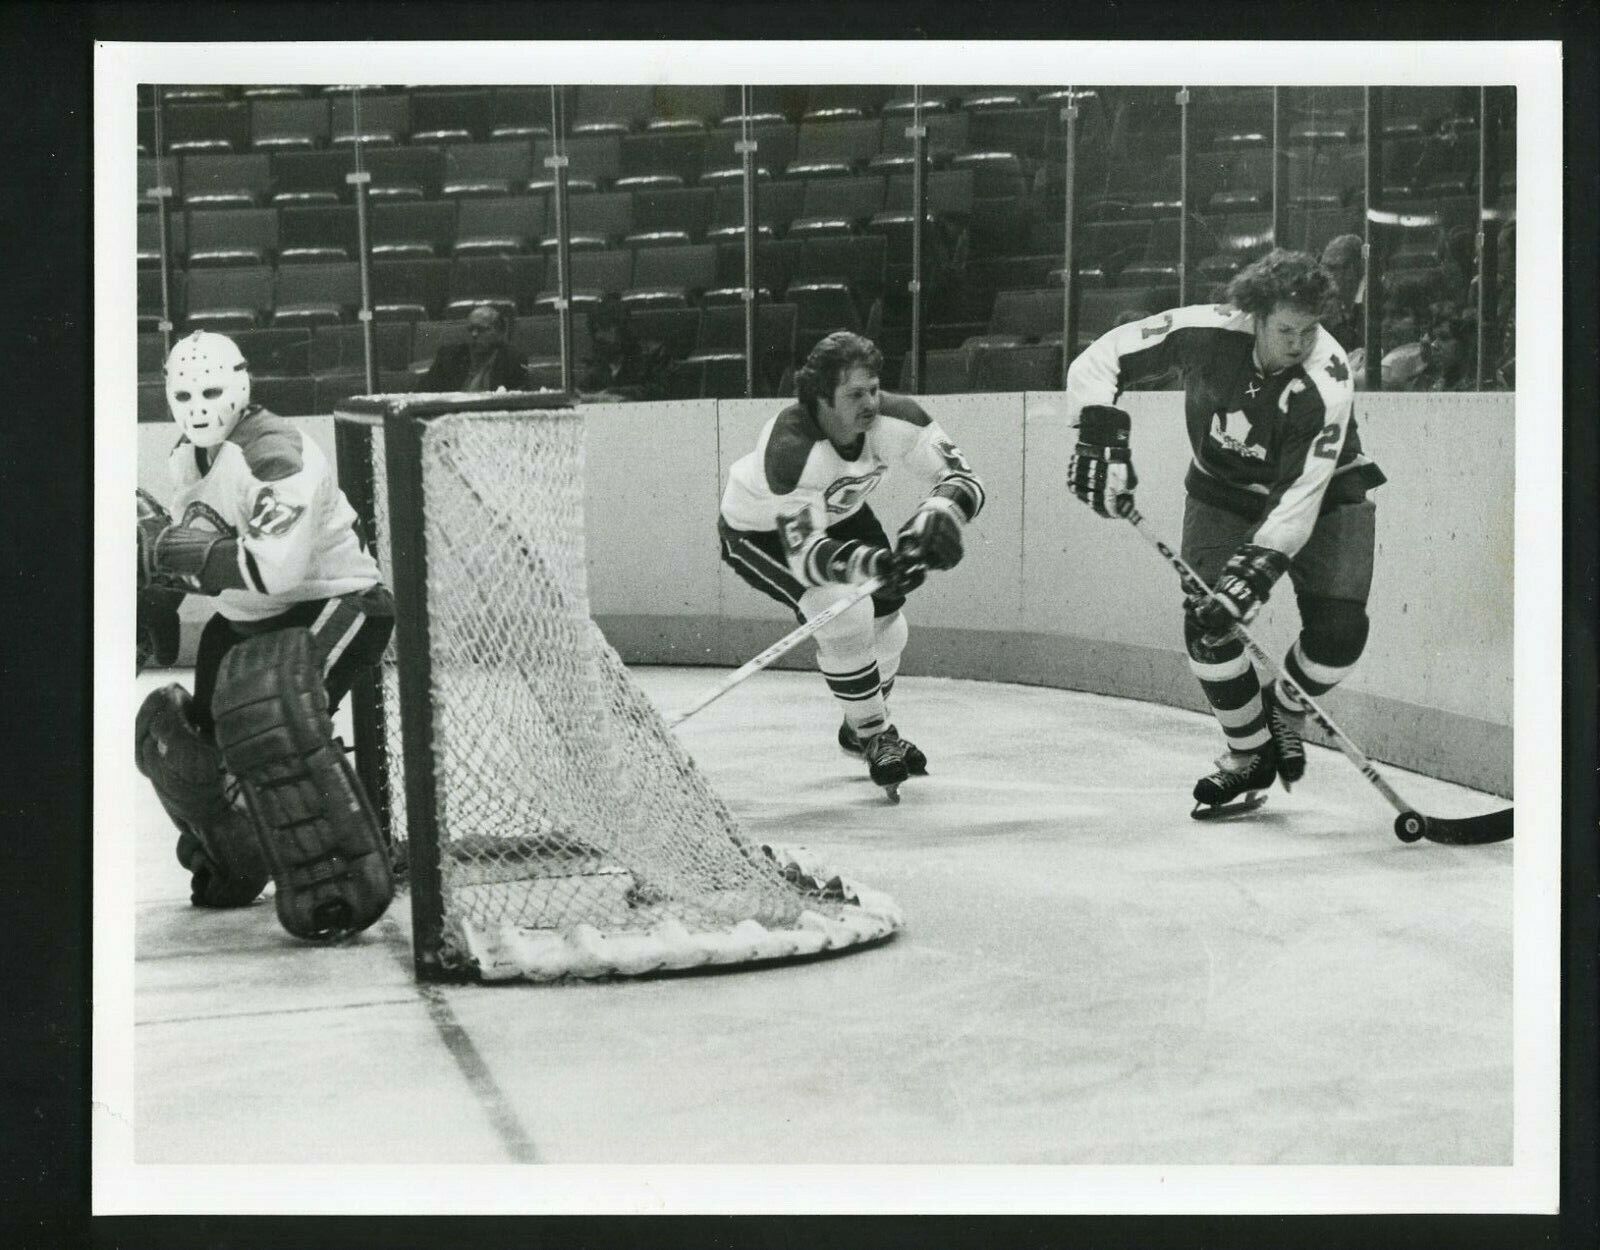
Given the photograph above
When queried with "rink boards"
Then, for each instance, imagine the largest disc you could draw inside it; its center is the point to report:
(1050, 594)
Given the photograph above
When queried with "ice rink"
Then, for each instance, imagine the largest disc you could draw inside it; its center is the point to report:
(1087, 976)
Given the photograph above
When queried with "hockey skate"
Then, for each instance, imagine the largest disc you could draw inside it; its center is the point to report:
(1286, 727)
(916, 761)
(1239, 785)
(885, 754)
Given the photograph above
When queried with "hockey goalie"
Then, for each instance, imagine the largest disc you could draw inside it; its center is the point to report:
(248, 766)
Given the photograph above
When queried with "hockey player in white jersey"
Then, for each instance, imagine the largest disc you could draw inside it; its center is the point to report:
(795, 524)
(1277, 484)
(247, 766)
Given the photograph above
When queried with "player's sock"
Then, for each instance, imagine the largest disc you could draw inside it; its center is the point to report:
(1231, 687)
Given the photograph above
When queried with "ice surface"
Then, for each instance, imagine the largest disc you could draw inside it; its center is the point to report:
(1087, 976)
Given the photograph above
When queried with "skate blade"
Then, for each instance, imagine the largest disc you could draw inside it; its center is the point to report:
(892, 793)
(1251, 800)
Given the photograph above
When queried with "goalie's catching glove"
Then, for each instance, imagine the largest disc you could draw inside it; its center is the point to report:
(1101, 469)
(1246, 581)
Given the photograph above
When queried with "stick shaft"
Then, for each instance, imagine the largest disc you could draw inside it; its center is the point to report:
(787, 643)
(1342, 740)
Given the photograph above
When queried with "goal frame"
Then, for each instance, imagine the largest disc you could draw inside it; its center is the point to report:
(403, 419)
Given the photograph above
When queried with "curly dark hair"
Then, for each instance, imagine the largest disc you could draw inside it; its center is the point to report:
(830, 359)
(1281, 277)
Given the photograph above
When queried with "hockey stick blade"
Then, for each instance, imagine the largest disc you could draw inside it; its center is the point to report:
(1456, 831)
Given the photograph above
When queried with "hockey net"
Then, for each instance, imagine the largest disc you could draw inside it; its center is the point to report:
(568, 833)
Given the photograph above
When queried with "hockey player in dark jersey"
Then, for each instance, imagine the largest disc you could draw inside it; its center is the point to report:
(247, 766)
(795, 524)
(1277, 484)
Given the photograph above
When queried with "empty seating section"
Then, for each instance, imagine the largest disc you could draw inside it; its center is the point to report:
(263, 238)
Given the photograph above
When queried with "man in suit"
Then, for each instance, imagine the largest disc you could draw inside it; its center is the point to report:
(485, 362)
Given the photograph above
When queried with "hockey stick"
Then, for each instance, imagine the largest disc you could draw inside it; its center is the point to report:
(1410, 824)
(788, 642)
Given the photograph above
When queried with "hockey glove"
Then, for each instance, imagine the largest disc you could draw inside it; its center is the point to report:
(932, 537)
(1101, 470)
(152, 519)
(900, 575)
(1246, 581)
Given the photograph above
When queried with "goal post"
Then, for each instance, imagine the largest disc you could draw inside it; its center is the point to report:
(547, 821)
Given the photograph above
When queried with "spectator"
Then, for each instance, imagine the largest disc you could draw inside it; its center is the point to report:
(485, 362)
(1448, 351)
(620, 366)
(1343, 318)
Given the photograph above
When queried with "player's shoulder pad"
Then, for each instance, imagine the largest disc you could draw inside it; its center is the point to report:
(903, 408)
(1214, 317)
(794, 433)
(273, 447)
(1328, 370)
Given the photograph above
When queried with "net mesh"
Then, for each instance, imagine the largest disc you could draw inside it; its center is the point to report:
(576, 836)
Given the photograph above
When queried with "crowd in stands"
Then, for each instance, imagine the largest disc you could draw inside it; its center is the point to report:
(261, 230)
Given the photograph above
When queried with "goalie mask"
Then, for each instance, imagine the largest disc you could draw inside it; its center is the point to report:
(208, 386)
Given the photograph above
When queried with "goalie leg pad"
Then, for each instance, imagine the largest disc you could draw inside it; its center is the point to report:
(319, 831)
(217, 840)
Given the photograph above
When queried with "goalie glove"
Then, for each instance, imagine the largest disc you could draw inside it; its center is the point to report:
(1246, 581)
(152, 519)
(932, 537)
(1101, 470)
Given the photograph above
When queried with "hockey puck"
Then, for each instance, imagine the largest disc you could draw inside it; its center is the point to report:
(1409, 826)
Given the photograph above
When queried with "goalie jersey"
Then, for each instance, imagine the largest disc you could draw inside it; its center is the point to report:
(1275, 448)
(272, 488)
(796, 482)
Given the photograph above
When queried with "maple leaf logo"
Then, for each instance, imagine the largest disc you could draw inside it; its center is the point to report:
(1336, 369)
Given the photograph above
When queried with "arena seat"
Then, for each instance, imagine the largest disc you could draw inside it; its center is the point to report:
(288, 124)
(855, 199)
(410, 172)
(688, 269)
(1032, 367)
(409, 290)
(225, 180)
(520, 113)
(303, 177)
(228, 299)
(316, 233)
(413, 229)
(486, 168)
(373, 119)
(312, 295)
(450, 115)
(689, 209)
(212, 126)
(509, 282)
(275, 351)
(341, 349)
(231, 236)
(502, 225)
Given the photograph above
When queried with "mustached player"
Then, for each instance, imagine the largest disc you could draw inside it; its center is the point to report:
(796, 525)
(248, 767)
(1277, 484)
